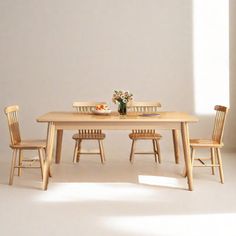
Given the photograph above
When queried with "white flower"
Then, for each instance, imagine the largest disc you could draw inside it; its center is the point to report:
(121, 96)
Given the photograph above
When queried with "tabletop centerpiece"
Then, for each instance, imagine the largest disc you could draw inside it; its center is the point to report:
(122, 97)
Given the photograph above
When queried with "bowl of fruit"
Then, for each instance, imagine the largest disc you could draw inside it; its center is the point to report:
(102, 109)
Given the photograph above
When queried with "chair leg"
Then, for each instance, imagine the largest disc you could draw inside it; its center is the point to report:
(20, 162)
(78, 150)
(192, 161)
(158, 151)
(101, 151)
(44, 158)
(192, 156)
(13, 163)
(131, 159)
(41, 161)
(154, 150)
(213, 161)
(220, 165)
(75, 151)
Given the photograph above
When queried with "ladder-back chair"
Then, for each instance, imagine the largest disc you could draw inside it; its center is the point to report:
(214, 144)
(145, 134)
(18, 145)
(88, 134)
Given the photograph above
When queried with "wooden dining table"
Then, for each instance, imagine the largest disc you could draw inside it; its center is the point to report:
(174, 121)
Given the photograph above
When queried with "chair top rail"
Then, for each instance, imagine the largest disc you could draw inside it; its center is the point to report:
(13, 123)
(219, 124)
(86, 107)
(150, 106)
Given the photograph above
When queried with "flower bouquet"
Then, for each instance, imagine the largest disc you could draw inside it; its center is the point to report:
(122, 98)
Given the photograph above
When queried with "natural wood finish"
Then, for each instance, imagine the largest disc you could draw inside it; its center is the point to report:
(132, 120)
(72, 121)
(58, 145)
(213, 160)
(145, 134)
(214, 144)
(20, 161)
(49, 150)
(18, 145)
(29, 144)
(86, 107)
(132, 150)
(144, 107)
(176, 145)
(185, 141)
(87, 134)
(40, 152)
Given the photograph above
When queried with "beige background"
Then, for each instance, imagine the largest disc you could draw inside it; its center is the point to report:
(55, 52)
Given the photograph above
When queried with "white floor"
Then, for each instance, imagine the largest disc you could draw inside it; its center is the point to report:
(119, 199)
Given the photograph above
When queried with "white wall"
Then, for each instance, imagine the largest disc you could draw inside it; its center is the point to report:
(231, 126)
(55, 52)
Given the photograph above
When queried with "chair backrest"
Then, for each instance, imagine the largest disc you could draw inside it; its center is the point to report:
(221, 113)
(143, 106)
(13, 123)
(86, 107)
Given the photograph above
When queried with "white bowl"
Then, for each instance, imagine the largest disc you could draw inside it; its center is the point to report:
(102, 112)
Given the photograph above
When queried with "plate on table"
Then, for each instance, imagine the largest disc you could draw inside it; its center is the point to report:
(102, 112)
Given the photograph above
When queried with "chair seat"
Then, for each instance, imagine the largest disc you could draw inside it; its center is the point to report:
(30, 144)
(99, 136)
(204, 143)
(145, 136)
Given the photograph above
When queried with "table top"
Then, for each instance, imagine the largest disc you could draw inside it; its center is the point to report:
(58, 116)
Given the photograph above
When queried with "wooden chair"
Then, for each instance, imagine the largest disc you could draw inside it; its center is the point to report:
(88, 134)
(214, 144)
(144, 134)
(18, 145)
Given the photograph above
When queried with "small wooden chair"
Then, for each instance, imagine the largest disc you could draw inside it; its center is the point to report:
(145, 134)
(88, 134)
(18, 145)
(214, 144)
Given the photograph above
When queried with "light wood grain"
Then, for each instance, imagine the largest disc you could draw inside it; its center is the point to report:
(114, 117)
(87, 134)
(144, 134)
(176, 145)
(72, 120)
(18, 145)
(49, 150)
(186, 150)
(214, 144)
(59, 146)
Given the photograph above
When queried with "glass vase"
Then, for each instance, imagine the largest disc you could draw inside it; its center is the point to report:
(122, 109)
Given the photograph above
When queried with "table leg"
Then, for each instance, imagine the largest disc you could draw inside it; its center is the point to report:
(59, 145)
(186, 150)
(176, 144)
(49, 149)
